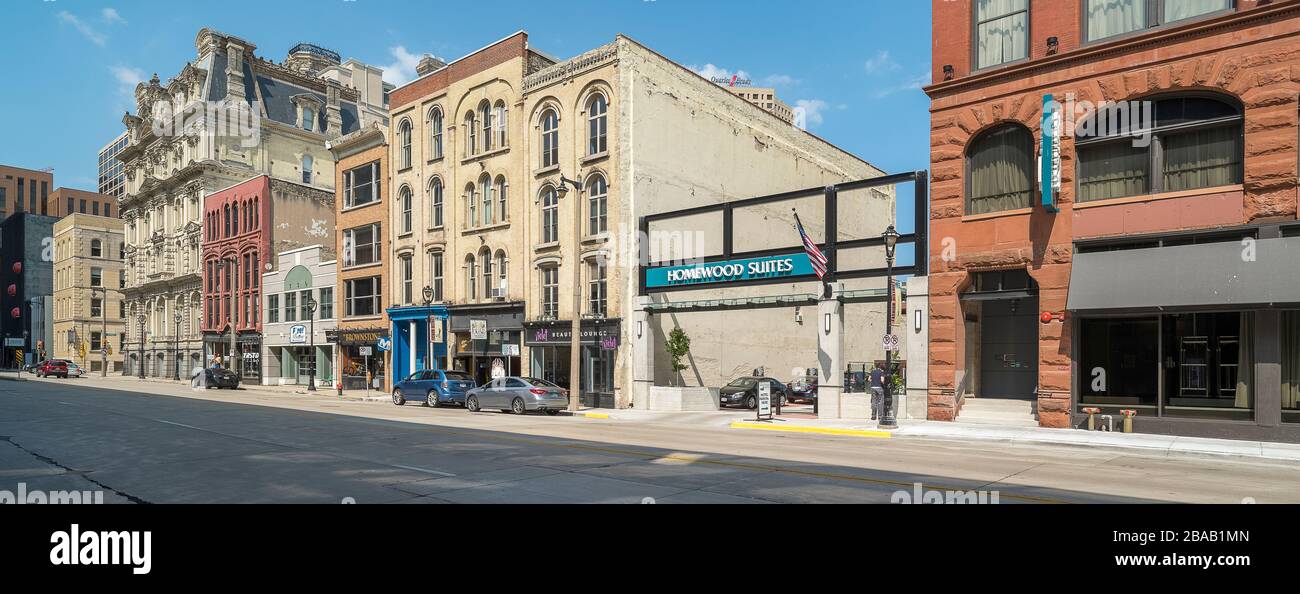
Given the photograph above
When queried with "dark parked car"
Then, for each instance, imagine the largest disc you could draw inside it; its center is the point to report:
(434, 387)
(743, 391)
(55, 367)
(215, 378)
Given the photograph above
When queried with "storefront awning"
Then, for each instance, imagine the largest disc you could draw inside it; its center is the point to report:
(1203, 276)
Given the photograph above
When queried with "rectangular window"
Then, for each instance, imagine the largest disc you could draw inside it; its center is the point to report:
(1001, 32)
(108, 209)
(362, 297)
(96, 307)
(551, 293)
(96, 276)
(327, 303)
(361, 245)
(408, 280)
(361, 185)
(304, 307)
(121, 310)
(596, 287)
(436, 274)
(94, 208)
(82, 206)
(72, 205)
(95, 341)
(290, 307)
(1108, 18)
(273, 309)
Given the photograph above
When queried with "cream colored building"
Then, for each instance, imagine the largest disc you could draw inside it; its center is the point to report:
(255, 117)
(479, 216)
(88, 311)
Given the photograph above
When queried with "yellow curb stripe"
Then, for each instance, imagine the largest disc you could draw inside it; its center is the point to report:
(596, 415)
(817, 430)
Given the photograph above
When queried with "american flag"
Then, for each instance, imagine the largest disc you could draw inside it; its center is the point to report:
(815, 255)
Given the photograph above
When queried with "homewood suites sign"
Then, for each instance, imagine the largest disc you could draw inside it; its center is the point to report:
(728, 271)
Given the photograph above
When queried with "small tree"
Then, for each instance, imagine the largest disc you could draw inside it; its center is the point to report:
(678, 346)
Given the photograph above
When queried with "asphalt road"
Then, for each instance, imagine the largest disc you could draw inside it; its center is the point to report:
(160, 443)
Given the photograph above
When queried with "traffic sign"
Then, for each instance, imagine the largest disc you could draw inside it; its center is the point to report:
(365, 351)
(890, 342)
(764, 399)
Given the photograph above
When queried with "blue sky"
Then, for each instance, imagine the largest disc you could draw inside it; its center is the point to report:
(856, 66)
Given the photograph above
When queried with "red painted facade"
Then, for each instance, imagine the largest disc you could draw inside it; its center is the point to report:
(235, 230)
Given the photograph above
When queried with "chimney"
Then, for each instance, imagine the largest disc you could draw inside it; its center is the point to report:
(428, 64)
(235, 72)
(334, 113)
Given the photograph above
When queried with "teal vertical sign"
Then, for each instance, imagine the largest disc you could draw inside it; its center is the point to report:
(1049, 175)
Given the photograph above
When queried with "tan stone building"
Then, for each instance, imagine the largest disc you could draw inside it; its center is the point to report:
(364, 260)
(88, 281)
(766, 99)
(67, 201)
(482, 213)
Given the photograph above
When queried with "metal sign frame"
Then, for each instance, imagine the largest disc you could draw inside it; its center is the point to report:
(830, 247)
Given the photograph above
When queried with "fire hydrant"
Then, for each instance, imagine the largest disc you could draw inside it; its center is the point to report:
(1092, 417)
(1128, 419)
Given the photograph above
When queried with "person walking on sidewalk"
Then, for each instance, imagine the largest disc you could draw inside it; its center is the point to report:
(877, 390)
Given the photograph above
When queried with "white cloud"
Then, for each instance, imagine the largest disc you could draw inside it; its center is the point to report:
(86, 31)
(809, 112)
(402, 70)
(881, 62)
(127, 78)
(111, 16)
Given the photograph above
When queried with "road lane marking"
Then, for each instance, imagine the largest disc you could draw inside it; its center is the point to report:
(181, 425)
(424, 470)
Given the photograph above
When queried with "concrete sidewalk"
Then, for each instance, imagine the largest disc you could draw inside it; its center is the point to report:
(1168, 444)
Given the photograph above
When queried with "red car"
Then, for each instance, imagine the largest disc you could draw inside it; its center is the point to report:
(57, 367)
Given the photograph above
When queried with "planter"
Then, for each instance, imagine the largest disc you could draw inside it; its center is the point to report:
(674, 399)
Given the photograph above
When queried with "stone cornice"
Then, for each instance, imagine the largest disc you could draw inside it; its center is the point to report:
(605, 54)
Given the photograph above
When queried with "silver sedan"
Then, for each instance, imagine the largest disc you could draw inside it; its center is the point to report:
(518, 395)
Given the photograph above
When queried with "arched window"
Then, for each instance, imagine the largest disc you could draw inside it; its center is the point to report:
(307, 168)
(471, 207)
(502, 190)
(597, 205)
(485, 118)
(404, 199)
(234, 217)
(471, 136)
(435, 132)
(502, 272)
(226, 209)
(1184, 142)
(1000, 162)
(488, 197)
(485, 262)
(550, 138)
(96, 248)
(471, 277)
(435, 202)
(550, 215)
(308, 116)
(597, 124)
(499, 119)
(404, 141)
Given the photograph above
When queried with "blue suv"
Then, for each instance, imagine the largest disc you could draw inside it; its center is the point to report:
(435, 387)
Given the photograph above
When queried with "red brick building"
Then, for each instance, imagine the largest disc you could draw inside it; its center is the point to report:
(1151, 272)
(236, 243)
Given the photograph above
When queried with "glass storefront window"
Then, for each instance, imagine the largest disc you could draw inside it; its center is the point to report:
(1119, 362)
(1208, 359)
(1290, 335)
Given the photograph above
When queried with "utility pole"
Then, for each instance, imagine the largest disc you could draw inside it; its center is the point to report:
(575, 342)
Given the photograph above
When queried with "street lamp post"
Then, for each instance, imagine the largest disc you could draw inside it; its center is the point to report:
(427, 293)
(575, 342)
(176, 347)
(139, 318)
(311, 309)
(887, 417)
